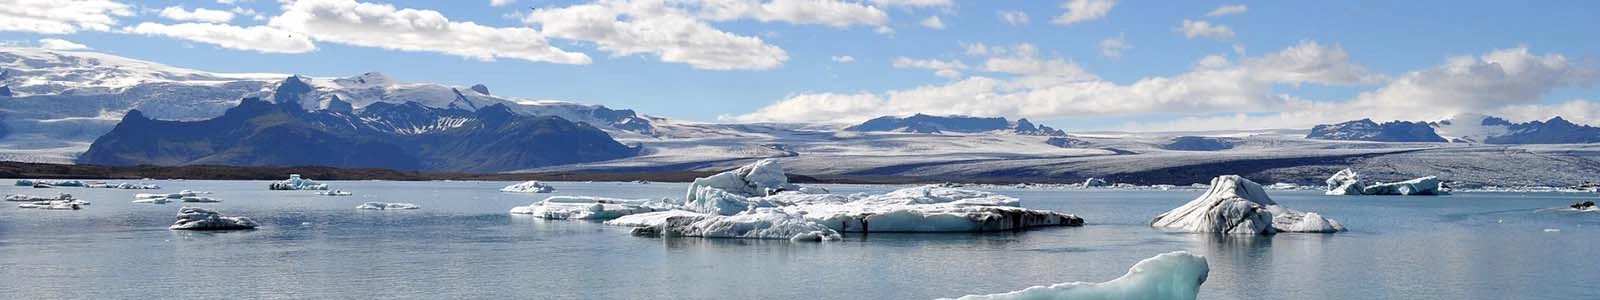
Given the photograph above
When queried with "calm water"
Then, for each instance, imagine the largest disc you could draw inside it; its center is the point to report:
(463, 244)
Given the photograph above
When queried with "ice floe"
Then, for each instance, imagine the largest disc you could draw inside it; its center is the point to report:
(587, 208)
(1235, 205)
(63, 204)
(529, 187)
(124, 186)
(760, 224)
(295, 183)
(387, 206)
(51, 183)
(32, 198)
(1347, 183)
(931, 208)
(334, 193)
(1176, 275)
(195, 218)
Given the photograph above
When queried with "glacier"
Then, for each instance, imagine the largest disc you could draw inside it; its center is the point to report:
(529, 187)
(1175, 276)
(1238, 206)
(195, 218)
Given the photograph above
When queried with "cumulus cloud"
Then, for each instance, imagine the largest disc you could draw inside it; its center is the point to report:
(947, 69)
(1192, 29)
(654, 28)
(1084, 10)
(61, 16)
(843, 59)
(254, 38)
(914, 3)
(1014, 17)
(60, 44)
(933, 22)
(1020, 82)
(1228, 10)
(499, 3)
(975, 49)
(815, 12)
(387, 27)
(1113, 47)
(178, 13)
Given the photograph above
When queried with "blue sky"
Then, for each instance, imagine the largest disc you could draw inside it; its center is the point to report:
(1341, 50)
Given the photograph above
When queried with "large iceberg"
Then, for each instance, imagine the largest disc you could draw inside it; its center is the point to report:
(586, 208)
(195, 218)
(529, 187)
(387, 206)
(1345, 182)
(295, 183)
(932, 208)
(728, 193)
(1424, 186)
(1176, 275)
(1235, 205)
(760, 224)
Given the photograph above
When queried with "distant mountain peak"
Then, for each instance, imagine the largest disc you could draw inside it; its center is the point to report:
(481, 89)
(924, 123)
(1368, 130)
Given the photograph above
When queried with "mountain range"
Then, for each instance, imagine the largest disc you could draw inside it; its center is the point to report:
(94, 108)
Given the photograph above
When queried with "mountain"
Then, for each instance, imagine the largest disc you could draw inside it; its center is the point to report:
(921, 123)
(1471, 128)
(408, 136)
(1367, 130)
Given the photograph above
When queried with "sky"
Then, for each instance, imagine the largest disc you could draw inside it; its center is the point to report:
(1075, 64)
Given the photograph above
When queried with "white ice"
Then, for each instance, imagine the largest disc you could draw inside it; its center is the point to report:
(529, 187)
(759, 224)
(1235, 205)
(729, 193)
(195, 218)
(1421, 186)
(585, 208)
(1345, 182)
(32, 198)
(1176, 275)
(387, 206)
(651, 219)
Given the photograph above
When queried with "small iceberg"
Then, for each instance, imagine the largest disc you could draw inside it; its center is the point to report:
(181, 196)
(1235, 205)
(1347, 183)
(932, 208)
(729, 193)
(1095, 182)
(123, 186)
(387, 206)
(334, 193)
(762, 224)
(32, 198)
(586, 208)
(195, 218)
(1176, 275)
(55, 204)
(51, 183)
(295, 183)
(197, 199)
(1585, 206)
(529, 187)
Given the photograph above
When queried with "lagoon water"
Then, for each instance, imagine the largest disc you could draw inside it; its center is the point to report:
(463, 244)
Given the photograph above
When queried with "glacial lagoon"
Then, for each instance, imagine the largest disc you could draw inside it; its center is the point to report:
(462, 243)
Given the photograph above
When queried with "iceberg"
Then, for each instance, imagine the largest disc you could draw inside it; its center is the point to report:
(124, 186)
(729, 193)
(529, 187)
(1345, 182)
(196, 199)
(586, 208)
(195, 218)
(651, 219)
(931, 208)
(387, 206)
(1235, 205)
(1421, 186)
(759, 224)
(334, 193)
(68, 204)
(295, 183)
(1176, 275)
(32, 198)
(1095, 182)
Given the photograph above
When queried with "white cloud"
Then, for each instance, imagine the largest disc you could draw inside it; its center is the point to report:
(254, 38)
(1228, 10)
(1026, 85)
(1578, 111)
(1113, 47)
(232, 1)
(1084, 10)
(843, 59)
(947, 69)
(975, 49)
(60, 44)
(1013, 17)
(1192, 29)
(384, 26)
(815, 12)
(178, 13)
(499, 3)
(933, 22)
(653, 28)
(61, 16)
(914, 3)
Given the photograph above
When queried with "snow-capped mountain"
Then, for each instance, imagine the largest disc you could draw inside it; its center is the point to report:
(1367, 130)
(1464, 128)
(920, 123)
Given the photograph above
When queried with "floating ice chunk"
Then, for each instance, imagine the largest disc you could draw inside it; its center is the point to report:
(387, 206)
(855, 217)
(1421, 186)
(935, 194)
(792, 198)
(1345, 182)
(1095, 182)
(334, 193)
(1176, 275)
(296, 183)
(55, 205)
(195, 218)
(529, 187)
(198, 199)
(712, 200)
(759, 224)
(585, 208)
(1235, 205)
(715, 194)
(651, 219)
(32, 198)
